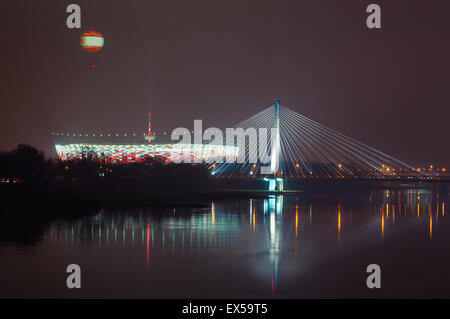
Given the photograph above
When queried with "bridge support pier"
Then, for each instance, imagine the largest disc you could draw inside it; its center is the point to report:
(275, 184)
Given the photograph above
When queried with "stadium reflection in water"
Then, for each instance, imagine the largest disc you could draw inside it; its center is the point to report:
(282, 246)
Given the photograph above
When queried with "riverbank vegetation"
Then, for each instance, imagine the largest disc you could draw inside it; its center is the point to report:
(29, 180)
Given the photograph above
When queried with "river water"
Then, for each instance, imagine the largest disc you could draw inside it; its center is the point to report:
(291, 246)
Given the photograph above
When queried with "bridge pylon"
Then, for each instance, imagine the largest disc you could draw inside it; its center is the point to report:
(276, 182)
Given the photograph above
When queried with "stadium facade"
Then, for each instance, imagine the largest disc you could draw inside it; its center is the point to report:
(117, 153)
(132, 148)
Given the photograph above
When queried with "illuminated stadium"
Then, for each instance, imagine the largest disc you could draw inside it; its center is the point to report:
(133, 148)
(132, 153)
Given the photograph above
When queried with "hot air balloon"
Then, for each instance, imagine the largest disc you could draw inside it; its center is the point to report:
(92, 41)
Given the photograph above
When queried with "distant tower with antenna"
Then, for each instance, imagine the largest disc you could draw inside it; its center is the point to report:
(149, 136)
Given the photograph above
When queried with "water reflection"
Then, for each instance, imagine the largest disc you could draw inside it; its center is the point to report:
(273, 241)
(339, 223)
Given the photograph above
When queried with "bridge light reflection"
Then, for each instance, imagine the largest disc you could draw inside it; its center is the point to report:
(431, 226)
(339, 223)
(254, 219)
(221, 226)
(393, 214)
(418, 209)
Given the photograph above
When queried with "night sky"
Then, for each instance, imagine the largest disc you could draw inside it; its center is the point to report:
(222, 61)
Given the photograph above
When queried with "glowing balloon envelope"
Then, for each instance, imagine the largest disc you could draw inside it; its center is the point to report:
(92, 41)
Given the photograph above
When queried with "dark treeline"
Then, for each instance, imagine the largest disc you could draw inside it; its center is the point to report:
(28, 178)
(25, 164)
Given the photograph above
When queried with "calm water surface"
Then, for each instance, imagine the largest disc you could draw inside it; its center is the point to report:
(284, 246)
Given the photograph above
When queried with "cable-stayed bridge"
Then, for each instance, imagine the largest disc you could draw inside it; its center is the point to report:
(287, 144)
(275, 144)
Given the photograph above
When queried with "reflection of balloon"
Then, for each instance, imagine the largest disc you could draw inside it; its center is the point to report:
(92, 41)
